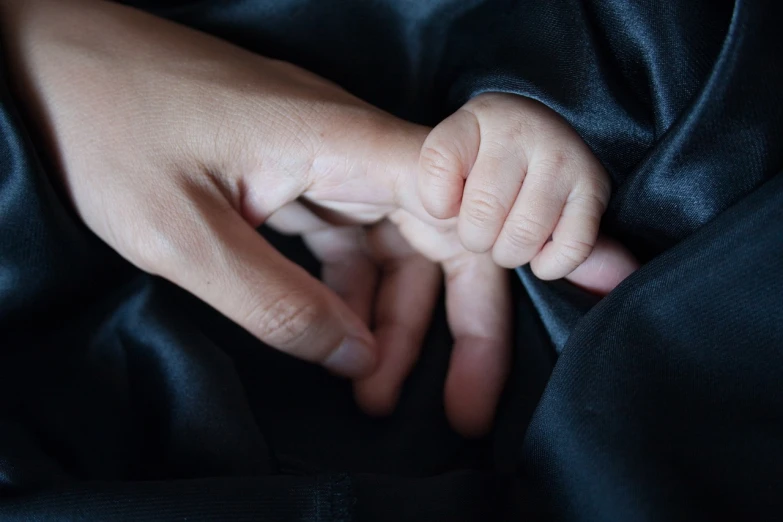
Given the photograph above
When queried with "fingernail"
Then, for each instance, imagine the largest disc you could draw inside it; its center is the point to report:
(353, 358)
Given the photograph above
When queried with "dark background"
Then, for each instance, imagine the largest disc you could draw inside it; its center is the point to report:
(123, 398)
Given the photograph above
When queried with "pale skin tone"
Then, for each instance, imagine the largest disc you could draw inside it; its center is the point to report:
(175, 146)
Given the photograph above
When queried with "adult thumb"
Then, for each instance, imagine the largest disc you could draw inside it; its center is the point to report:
(227, 264)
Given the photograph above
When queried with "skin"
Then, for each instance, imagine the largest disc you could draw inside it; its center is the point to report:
(175, 146)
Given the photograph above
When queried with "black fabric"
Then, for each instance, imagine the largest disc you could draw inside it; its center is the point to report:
(123, 398)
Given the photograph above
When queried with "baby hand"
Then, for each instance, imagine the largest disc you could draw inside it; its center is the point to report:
(521, 181)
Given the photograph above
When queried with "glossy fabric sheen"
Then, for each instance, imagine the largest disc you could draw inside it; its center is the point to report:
(123, 398)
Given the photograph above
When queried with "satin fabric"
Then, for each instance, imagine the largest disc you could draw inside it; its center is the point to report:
(123, 398)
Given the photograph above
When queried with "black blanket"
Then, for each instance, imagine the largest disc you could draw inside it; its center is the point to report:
(123, 398)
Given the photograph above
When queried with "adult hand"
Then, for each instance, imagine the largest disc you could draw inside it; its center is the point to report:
(390, 275)
(176, 146)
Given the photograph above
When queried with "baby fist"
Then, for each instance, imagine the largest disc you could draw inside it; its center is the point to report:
(521, 181)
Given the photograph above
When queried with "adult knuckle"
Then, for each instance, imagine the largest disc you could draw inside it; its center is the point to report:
(150, 253)
(157, 244)
(285, 323)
